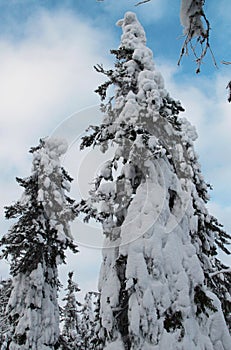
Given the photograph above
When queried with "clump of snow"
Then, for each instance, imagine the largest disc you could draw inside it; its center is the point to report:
(190, 17)
(115, 345)
(133, 32)
(106, 170)
(57, 145)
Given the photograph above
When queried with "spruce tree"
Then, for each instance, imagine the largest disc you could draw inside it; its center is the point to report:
(162, 284)
(89, 319)
(71, 332)
(36, 244)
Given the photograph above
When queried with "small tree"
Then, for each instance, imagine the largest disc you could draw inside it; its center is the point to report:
(36, 244)
(71, 332)
(91, 338)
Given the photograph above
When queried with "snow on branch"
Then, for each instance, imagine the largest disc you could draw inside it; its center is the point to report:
(220, 271)
(196, 26)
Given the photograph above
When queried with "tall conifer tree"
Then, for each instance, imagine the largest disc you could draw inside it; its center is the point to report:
(36, 244)
(162, 285)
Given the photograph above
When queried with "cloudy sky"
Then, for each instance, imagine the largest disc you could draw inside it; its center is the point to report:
(47, 52)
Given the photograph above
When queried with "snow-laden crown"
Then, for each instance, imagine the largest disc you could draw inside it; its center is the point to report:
(133, 33)
(134, 38)
(140, 68)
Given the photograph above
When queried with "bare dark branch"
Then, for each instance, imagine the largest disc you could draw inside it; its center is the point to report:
(141, 2)
(226, 62)
(202, 40)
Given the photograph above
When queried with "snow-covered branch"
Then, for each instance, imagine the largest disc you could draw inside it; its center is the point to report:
(196, 26)
(221, 271)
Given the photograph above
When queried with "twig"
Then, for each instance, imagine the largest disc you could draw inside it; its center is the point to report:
(226, 62)
(202, 39)
(142, 2)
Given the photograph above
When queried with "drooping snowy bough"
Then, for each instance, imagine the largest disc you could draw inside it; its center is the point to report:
(160, 282)
(36, 244)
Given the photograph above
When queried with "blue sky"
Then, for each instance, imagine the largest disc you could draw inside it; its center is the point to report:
(47, 53)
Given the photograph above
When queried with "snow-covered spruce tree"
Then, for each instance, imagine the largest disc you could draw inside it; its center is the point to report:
(162, 285)
(36, 244)
(71, 332)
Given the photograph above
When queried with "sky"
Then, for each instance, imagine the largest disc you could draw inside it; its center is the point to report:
(47, 52)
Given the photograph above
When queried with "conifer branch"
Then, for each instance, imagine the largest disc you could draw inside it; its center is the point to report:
(212, 274)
